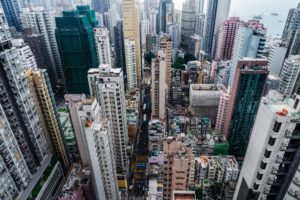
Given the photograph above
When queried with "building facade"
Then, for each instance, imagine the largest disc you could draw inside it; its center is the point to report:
(289, 75)
(77, 59)
(107, 85)
(42, 91)
(43, 23)
(188, 20)
(103, 46)
(290, 34)
(217, 12)
(159, 86)
(249, 42)
(131, 32)
(271, 162)
(130, 56)
(226, 37)
(250, 78)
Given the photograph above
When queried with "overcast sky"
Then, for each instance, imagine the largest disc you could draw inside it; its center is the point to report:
(246, 9)
(255, 6)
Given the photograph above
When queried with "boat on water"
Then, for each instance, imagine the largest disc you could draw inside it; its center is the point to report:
(257, 17)
(274, 14)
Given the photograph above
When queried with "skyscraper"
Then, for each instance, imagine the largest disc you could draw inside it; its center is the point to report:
(199, 6)
(188, 20)
(290, 74)
(103, 46)
(131, 32)
(291, 32)
(119, 47)
(24, 151)
(165, 44)
(165, 15)
(107, 85)
(217, 12)
(78, 53)
(41, 90)
(227, 34)
(97, 131)
(276, 56)
(271, 165)
(130, 50)
(42, 22)
(100, 5)
(249, 42)
(12, 10)
(246, 92)
(199, 24)
(159, 85)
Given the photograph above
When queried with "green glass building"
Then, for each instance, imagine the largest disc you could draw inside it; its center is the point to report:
(77, 49)
(245, 96)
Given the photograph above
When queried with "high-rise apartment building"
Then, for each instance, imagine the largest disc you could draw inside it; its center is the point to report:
(271, 164)
(291, 32)
(131, 32)
(24, 151)
(217, 12)
(222, 110)
(276, 57)
(19, 104)
(119, 47)
(188, 20)
(78, 54)
(226, 37)
(25, 54)
(41, 89)
(103, 46)
(42, 22)
(159, 87)
(12, 10)
(199, 24)
(290, 75)
(165, 15)
(249, 42)
(153, 20)
(97, 131)
(246, 92)
(199, 6)
(174, 31)
(165, 44)
(130, 50)
(179, 167)
(107, 85)
(100, 5)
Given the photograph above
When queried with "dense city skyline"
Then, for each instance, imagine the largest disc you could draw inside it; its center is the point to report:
(130, 99)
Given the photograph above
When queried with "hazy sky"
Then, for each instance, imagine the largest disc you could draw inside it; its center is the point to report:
(254, 6)
(246, 9)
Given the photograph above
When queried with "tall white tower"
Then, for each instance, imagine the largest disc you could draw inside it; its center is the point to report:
(103, 46)
(107, 85)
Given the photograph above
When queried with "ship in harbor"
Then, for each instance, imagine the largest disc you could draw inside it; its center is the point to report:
(258, 17)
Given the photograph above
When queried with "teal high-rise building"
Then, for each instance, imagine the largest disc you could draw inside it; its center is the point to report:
(77, 49)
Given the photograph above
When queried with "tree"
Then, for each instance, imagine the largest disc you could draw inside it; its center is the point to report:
(148, 57)
(179, 64)
(189, 57)
(215, 189)
(199, 193)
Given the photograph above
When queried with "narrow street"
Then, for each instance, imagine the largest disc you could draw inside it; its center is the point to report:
(138, 178)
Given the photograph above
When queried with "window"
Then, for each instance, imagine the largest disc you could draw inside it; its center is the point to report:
(259, 176)
(255, 186)
(267, 154)
(263, 165)
(272, 141)
(277, 126)
(296, 103)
